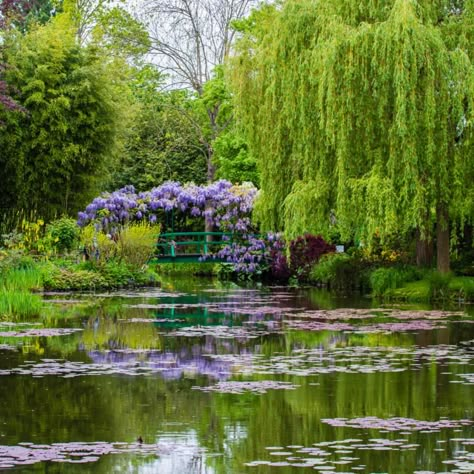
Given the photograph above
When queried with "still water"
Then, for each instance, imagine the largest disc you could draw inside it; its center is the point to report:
(201, 377)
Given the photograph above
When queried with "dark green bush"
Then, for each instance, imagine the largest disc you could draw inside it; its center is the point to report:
(389, 278)
(341, 272)
(439, 285)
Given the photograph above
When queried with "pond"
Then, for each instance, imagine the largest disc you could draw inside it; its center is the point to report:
(203, 377)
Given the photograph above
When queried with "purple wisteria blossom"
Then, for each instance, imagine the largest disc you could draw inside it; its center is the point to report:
(222, 204)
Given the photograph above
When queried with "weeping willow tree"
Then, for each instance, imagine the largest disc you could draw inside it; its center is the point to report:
(361, 116)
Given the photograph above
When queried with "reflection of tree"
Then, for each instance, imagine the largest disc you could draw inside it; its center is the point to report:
(108, 333)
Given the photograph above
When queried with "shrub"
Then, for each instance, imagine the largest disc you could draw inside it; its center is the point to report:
(340, 271)
(468, 289)
(117, 274)
(55, 278)
(15, 259)
(388, 278)
(439, 285)
(136, 243)
(64, 233)
(97, 246)
(305, 251)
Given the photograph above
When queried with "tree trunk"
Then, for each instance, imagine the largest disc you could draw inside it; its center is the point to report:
(442, 238)
(424, 250)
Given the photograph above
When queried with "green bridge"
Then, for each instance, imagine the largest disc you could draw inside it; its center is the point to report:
(186, 247)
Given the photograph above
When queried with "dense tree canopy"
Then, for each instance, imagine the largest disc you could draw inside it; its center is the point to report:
(75, 100)
(360, 114)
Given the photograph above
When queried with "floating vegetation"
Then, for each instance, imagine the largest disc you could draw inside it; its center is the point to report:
(68, 369)
(220, 332)
(260, 386)
(396, 424)
(357, 359)
(9, 324)
(75, 453)
(328, 455)
(7, 347)
(467, 379)
(44, 332)
(416, 325)
(357, 313)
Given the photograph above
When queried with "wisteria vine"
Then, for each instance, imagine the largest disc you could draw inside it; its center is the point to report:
(222, 204)
(225, 206)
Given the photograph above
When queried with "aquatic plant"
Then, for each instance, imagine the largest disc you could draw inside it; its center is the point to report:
(19, 304)
(21, 279)
(238, 387)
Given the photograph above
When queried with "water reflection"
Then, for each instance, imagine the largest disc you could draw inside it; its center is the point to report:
(217, 379)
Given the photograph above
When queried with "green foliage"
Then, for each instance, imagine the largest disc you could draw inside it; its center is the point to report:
(136, 243)
(62, 279)
(233, 159)
(341, 272)
(21, 279)
(16, 300)
(54, 156)
(468, 289)
(91, 276)
(165, 142)
(389, 278)
(439, 285)
(208, 268)
(18, 305)
(64, 233)
(359, 114)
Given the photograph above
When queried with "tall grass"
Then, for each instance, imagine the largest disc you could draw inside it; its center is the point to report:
(21, 279)
(19, 304)
(16, 300)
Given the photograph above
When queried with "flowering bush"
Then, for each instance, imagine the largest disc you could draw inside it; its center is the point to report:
(225, 206)
(305, 251)
(255, 254)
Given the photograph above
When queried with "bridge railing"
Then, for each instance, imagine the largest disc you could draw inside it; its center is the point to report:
(189, 246)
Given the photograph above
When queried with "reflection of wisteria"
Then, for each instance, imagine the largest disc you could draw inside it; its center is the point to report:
(168, 365)
(78, 453)
(131, 363)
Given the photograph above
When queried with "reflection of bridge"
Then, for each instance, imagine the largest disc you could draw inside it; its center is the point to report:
(183, 247)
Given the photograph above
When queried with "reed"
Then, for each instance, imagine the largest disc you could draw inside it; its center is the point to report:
(21, 279)
(19, 304)
(16, 300)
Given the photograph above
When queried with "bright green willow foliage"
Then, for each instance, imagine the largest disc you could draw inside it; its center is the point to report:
(360, 114)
